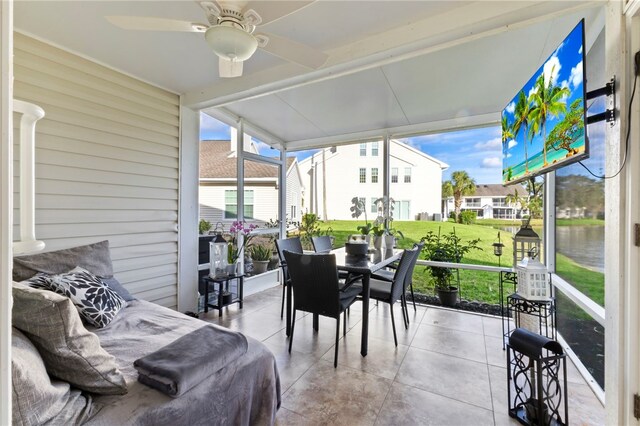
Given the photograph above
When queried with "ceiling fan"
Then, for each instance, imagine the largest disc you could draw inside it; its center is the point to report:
(230, 32)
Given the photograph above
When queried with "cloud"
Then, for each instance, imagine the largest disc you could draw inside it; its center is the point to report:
(511, 144)
(490, 145)
(580, 51)
(511, 107)
(576, 75)
(491, 163)
(533, 90)
(551, 69)
(508, 155)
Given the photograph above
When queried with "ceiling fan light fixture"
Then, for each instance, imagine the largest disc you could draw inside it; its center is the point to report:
(231, 43)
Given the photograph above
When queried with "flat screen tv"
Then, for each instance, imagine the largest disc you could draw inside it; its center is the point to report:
(543, 127)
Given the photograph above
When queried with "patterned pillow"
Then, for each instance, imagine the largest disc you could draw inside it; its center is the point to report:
(97, 303)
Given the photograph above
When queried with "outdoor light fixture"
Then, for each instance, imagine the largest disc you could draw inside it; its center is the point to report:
(524, 242)
(218, 251)
(497, 248)
(231, 43)
(536, 379)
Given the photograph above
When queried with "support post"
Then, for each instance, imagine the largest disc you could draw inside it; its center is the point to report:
(386, 172)
(6, 205)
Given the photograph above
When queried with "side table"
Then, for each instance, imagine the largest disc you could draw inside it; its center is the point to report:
(225, 297)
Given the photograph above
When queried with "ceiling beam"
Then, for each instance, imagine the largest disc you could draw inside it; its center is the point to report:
(460, 25)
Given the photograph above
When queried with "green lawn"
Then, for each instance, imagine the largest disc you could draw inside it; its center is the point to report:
(475, 285)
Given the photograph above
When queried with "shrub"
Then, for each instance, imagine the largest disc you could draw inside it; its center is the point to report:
(468, 217)
(204, 226)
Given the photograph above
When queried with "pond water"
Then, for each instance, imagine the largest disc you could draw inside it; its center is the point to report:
(583, 244)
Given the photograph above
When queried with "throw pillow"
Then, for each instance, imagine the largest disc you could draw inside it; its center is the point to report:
(97, 303)
(115, 285)
(93, 257)
(69, 351)
(36, 398)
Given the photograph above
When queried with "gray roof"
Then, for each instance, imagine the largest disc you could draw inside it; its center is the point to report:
(497, 190)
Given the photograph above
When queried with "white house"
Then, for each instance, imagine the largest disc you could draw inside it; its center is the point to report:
(218, 185)
(356, 171)
(490, 202)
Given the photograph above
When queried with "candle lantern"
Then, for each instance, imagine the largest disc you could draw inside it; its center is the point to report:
(536, 379)
(533, 282)
(524, 241)
(218, 254)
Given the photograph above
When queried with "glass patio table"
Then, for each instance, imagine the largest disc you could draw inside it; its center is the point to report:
(375, 260)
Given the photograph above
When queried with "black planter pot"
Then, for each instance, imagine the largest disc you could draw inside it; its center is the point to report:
(448, 297)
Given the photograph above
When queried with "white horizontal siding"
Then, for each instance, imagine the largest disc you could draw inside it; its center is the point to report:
(107, 164)
(212, 202)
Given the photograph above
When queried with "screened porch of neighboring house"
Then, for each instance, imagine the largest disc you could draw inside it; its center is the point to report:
(119, 156)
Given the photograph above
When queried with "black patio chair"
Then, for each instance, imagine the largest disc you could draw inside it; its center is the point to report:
(322, 244)
(293, 245)
(316, 289)
(386, 275)
(391, 292)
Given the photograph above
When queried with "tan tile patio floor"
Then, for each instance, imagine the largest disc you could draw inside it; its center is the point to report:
(448, 368)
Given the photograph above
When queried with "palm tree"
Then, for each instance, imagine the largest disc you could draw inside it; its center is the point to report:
(548, 100)
(521, 121)
(507, 133)
(460, 185)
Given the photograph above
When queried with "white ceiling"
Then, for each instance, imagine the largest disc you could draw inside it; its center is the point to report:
(392, 64)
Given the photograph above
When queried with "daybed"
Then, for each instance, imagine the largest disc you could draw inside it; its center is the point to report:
(245, 391)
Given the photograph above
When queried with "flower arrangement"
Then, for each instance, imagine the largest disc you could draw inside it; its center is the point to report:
(382, 224)
(237, 229)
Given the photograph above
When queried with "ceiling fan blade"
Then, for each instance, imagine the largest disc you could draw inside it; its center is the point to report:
(293, 51)
(227, 69)
(272, 11)
(147, 23)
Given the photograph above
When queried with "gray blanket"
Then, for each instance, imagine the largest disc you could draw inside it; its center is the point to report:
(187, 361)
(246, 392)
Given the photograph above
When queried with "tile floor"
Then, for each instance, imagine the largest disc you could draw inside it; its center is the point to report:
(448, 368)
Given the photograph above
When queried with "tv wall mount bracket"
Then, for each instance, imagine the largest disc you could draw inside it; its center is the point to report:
(609, 115)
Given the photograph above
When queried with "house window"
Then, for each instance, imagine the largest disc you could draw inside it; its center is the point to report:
(499, 202)
(363, 150)
(293, 212)
(472, 202)
(231, 204)
(394, 175)
(374, 149)
(374, 175)
(407, 175)
(363, 202)
(374, 206)
(363, 175)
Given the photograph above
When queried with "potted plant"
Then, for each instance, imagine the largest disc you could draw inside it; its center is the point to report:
(261, 256)
(204, 226)
(386, 206)
(446, 248)
(357, 209)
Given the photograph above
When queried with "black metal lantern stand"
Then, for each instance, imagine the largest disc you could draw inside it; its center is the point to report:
(537, 316)
(497, 249)
(536, 379)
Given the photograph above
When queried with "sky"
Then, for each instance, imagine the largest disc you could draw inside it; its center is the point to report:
(478, 151)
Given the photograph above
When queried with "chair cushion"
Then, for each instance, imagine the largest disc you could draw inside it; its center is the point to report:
(379, 290)
(93, 257)
(69, 351)
(383, 275)
(37, 399)
(348, 296)
(116, 286)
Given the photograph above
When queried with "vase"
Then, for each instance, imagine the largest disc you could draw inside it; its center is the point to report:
(377, 242)
(389, 241)
(367, 238)
(231, 269)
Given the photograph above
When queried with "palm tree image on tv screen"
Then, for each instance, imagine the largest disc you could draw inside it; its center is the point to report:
(543, 127)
